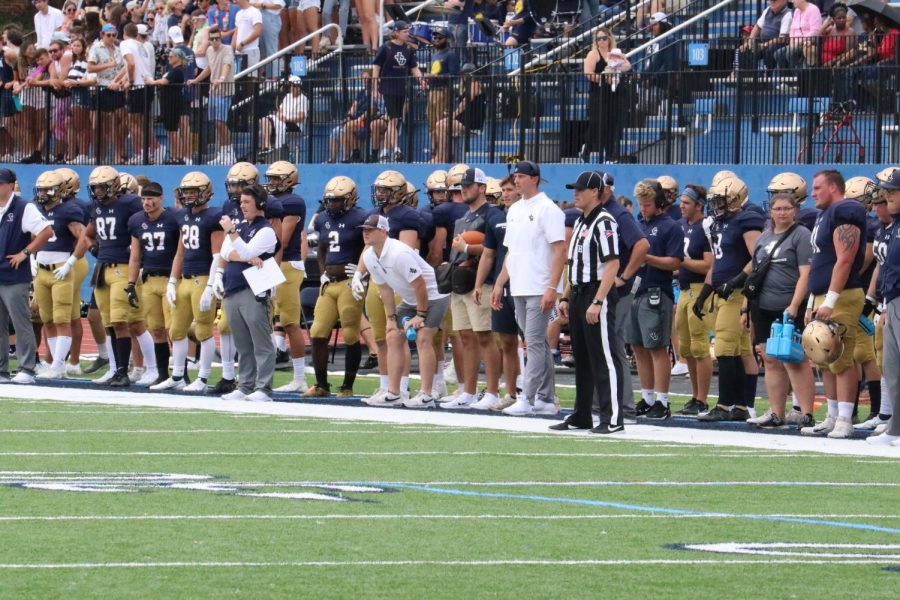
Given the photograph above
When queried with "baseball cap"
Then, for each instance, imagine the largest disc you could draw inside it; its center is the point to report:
(527, 167)
(151, 190)
(143, 30)
(375, 222)
(178, 52)
(399, 25)
(7, 175)
(60, 36)
(658, 17)
(294, 79)
(108, 28)
(473, 175)
(132, 5)
(175, 34)
(892, 183)
(442, 31)
(588, 180)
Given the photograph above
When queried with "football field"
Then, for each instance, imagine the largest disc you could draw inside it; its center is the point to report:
(106, 494)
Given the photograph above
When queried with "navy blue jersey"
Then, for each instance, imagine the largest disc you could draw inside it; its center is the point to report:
(85, 206)
(446, 214)
(890, 270)
(872, 226)
(674, 212)
(695, 244)
(666, 240)
(341, 238)
(844, 212)
(807, 217)
(427, 229)
(274, 208)
(493, 239)
(571, 215)
(730, 251)
(293, 206)
(396, 62)
(629, 235)
(60, 217)
(158, 238)
(402, 218)
(755, 208)
(880, 248)
(196, 234)
(111, 222)
(444, 68)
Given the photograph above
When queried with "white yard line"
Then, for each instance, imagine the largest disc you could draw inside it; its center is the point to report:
(516, 424)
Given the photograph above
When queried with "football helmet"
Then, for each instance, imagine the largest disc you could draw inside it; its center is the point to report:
(721, 175)
(726, 196)
(436, 187)
(239, 176)
(389, 188)
(411, 198)
(340, 196)
(861, 189)
(71, 182)
(885, 174)
(493, 191)
(788, 183)
(48, 188)
(281, 177)
(103, 184)
(195, 189)
(455, 175)
(823, 341)
(670, 188)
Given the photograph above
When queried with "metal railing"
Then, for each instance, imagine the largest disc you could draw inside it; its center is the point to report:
(289, 48)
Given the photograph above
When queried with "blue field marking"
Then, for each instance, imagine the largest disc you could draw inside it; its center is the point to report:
(639, 507)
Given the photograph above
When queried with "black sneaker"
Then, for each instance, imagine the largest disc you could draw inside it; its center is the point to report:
(371, 363)
(808, 421)
(641, 408)
(739, 414)
(120, 379)
(659, 412)
(716, 414)
(282, 360)
(225, 386)
(95, 366)
(693, 407)
(771, 421)
(567, 425)
(606, 428)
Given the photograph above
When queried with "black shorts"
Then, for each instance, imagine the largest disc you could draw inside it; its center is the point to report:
(7, 104)
(139, 99)
(394, 106)
(110, 100)
(504, 320)
(762, 323)
(171, 116)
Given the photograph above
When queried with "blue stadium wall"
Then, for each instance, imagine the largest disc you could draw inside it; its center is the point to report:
(314, 177)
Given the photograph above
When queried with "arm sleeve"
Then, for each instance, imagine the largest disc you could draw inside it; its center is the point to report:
(33, 221)
(226, 249)
(263, 241)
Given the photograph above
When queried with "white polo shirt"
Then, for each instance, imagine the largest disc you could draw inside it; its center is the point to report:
(531, 226)
(398, 266)
(45, 25)
(138, 52)
(244, 20)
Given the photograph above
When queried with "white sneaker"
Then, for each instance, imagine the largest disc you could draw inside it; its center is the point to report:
(293, 386)
(386, 399)
(546, 408)
(450, 374)
(871, 424)
(258, 396)
(823, 428)
(762, 419)
(41, 367)
(375, 397)
(507, 401)
(23, 378)
(459, 401)
(449, 397)
(420, 400)
(843, 429)
(52, 373)
(520, 408)
(880, 429)
(73, 370)
(169, 384)
(106, 377)
(487, 402)
(135, 374)
(197, 385)
(680, 369)
(235, 395)
(149, 377)
(439, 388)
(883, 440)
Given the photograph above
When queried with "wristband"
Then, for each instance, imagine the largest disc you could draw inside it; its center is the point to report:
(466, 249)
(173, 281)
(831, 299)
(561, 300)
(422, 313)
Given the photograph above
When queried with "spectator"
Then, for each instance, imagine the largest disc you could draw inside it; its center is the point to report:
(70, 13)
(175, 16)
(459, 21)
(9, 58)
(83, 103)
(805, 25)
(368, 23)
(105, 61)
(92, 27)
(356, 125)
(171, 102)
(663, 58)
(34, 77)
(521, 26)
(143, 37)
(199, 42)
(770, 33)
(307, 19)
(116, 17)
(343, 8)
(468, 115)
(60, 63)
(442, 74)
(290, 116)
(270, 12)
(47, 19)
(136, 11)
(222, 13)
(837, 36)
(888, 42)
(140, 99)
(248, 30)
(606, 99)
(220, 72)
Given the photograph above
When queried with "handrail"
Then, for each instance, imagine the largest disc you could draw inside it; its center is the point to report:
(587, 33)
(679, 27)
(417, 8)
(285, 50)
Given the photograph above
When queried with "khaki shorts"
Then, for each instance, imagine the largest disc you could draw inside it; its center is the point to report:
(80, 271)
(53, 297)
(846, 312)
(375, 313)
(693, 333)
(468, 315)
(731, 338)
(222, 321)
(864, 350)
(336, 303)
(187, 310)
(112, 299)
(157, 311)
(287, 295)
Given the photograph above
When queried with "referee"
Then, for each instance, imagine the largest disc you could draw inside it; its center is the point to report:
(589, 303)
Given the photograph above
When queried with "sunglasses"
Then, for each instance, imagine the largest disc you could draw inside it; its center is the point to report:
(112, 35)
(215, 38)
(70, 10)
(601, 38)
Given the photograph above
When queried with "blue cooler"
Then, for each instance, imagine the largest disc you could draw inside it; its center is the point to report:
(785, 342)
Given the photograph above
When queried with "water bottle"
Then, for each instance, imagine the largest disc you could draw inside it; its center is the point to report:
(776, 330)
(410, 332)
(787, 331)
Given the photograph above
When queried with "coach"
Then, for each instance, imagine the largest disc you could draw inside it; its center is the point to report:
(248, 314)
(589, 304)
(19, 221)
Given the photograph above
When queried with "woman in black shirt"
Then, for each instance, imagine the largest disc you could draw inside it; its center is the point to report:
(171, 102)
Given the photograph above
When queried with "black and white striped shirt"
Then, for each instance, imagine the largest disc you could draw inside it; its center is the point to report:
(595, 240)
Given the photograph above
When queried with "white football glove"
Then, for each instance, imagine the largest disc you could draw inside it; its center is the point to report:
(357, 286)
(707, 225)
(350, 269)
(171, 291)
(323, 279)
(219, 284)
(63, 272)
(206, 299)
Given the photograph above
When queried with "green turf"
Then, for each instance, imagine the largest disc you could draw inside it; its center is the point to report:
(267, 451)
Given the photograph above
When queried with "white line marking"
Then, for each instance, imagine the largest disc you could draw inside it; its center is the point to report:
(799, 549)
(361, 453)
(651, 433)
(391, 431)
(637, 483)
(401, 517)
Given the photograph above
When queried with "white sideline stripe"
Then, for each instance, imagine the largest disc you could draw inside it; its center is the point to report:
(392, 517)
(437, 563)
(254, 431)
(360, 453)
(433, 417)
(624, 483)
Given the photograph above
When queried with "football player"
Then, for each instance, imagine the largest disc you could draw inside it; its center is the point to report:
(189, 290)
(732, 232)
(670, 190)
(340, 247)
(154, 243)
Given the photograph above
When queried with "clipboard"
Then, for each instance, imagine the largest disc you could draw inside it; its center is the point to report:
(264, 278)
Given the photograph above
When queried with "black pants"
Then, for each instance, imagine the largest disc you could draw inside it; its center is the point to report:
(597, 371)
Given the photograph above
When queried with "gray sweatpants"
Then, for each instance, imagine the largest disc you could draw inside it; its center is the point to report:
(14, 307)
(623, 310)
(251, 326)
(539, 376)
(891, 372)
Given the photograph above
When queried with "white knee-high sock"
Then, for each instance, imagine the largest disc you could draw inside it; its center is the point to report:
(51, 346)
(299, 368)
(63, 345)
(179, 355)
(145, 341)
(207, 351)
(111, 353)
(227, 356)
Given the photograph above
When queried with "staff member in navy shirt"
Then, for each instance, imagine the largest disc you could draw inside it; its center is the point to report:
(393, 64)
(441, 76)
(23, 231)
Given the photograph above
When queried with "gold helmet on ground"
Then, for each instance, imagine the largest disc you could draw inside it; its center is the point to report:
(340, 196)
(195, 189)
(281, 177)
(48, 188)
(389, 188)
(726, 195)
(493, 191)
(455, 175)
(788, 183)
(71, 182)
(239, 176)
(103, 184)
(861, 189)
(823, 341)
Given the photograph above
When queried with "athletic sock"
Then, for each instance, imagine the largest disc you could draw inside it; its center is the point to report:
(161, 352)
(111, 349)
(729, 379)
(845, 409)
(404, 385)
(663, 398)
(750, 382)
(280, 342)
(207, 351)
(102, 350)
(299, 365)
(51, 348)
(145, 341)
(649, 397)
(383, 381)
(795, 402)
(63, 345)
(320, 361)
(874, 396)
(179, 352)
(227, 356)
(123, 354)
(351, 366)
(832, 407)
